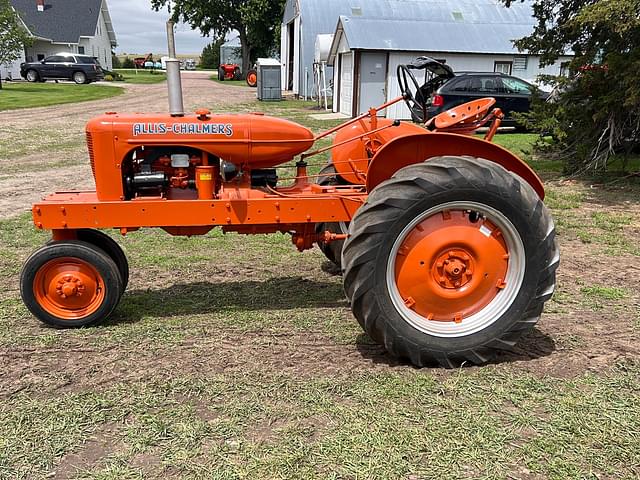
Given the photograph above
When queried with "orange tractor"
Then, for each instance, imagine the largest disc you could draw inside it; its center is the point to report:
(447, 251)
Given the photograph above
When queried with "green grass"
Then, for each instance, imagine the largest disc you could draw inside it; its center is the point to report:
(407, 424)
(236, 83)
(142, 76)
(28, 95)
(598, 297)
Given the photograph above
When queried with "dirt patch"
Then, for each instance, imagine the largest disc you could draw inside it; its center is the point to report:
(100, 445)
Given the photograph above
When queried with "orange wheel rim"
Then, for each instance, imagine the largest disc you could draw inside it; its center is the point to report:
(252, 78)
(69, 288)
(453, 270)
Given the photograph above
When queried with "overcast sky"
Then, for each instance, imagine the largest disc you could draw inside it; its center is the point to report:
(140, 30)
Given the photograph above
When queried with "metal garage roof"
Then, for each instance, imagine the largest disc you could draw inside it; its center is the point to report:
(433, 36)
(322, 15)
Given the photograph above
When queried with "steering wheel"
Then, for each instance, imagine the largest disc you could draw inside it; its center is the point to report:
(418, 108)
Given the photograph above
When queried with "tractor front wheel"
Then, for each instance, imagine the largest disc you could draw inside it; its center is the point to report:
(450, 261)
(70, 284)
(111, 248)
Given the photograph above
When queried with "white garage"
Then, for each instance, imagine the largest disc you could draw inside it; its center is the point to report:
(366, 51)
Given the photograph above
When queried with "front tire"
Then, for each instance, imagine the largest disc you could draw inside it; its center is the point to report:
(111, 248)
(70, 284)
(450, 261)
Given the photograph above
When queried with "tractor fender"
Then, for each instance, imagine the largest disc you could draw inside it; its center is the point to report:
(418, 147)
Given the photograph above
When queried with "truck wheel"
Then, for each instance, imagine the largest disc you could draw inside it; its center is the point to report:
(79, 77)
(221, 74)
(70, 284)
(331, 250)
(32, 76)
(450, 261)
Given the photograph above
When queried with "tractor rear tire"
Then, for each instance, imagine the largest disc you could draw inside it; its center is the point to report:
(70, 284)
(221, 74)
(252, 78)
(450, 261)
(332, 250)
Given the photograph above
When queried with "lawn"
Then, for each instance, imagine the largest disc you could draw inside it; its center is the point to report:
(27, 95)
(142, 76)
(234, 356)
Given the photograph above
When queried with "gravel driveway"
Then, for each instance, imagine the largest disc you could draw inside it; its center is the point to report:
(42, 149)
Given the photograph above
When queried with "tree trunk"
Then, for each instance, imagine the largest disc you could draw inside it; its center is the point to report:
(246, 52)
(0, 82)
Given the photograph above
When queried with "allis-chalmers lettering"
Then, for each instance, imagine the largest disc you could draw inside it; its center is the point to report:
(183, 129)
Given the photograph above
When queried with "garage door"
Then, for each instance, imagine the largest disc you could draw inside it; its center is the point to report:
(346, 83)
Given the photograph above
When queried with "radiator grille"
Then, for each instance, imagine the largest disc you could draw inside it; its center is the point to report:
(91, 157)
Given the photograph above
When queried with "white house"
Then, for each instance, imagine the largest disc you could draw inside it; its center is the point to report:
(76, 26)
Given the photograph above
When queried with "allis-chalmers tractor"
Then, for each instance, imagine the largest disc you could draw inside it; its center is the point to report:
(446, 248)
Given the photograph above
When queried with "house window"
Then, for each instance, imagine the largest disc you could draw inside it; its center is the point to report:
(564, 69)
(81, 50)
(503, 67)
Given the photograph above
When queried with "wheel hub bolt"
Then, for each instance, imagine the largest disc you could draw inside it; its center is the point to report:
(70, 286)
(453, 269)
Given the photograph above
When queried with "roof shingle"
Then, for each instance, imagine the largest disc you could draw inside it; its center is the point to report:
(63, 21)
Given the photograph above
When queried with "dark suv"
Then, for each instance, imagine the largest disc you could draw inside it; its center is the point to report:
(63, 66)
(512, 94)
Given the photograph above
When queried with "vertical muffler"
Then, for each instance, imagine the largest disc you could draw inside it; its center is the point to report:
(174, 80)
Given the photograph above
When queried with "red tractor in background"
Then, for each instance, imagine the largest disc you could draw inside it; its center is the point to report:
(229, 71)
(140, 62)
(232, 71)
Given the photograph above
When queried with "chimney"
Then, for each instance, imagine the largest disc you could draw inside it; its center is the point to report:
(40, 4)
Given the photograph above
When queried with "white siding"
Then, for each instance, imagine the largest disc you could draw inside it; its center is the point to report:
(99, 45)
(346, 83)
(11, 71)
(41, 47)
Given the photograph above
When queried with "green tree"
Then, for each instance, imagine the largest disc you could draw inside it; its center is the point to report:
(210, 57)
(256, 21)
(596, 113)
(128, 63)
(13, 35)
(115, 61)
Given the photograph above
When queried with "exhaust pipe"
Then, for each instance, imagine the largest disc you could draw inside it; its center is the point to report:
(174, 81)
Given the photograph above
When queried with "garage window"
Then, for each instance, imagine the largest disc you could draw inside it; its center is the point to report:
(503, 67)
